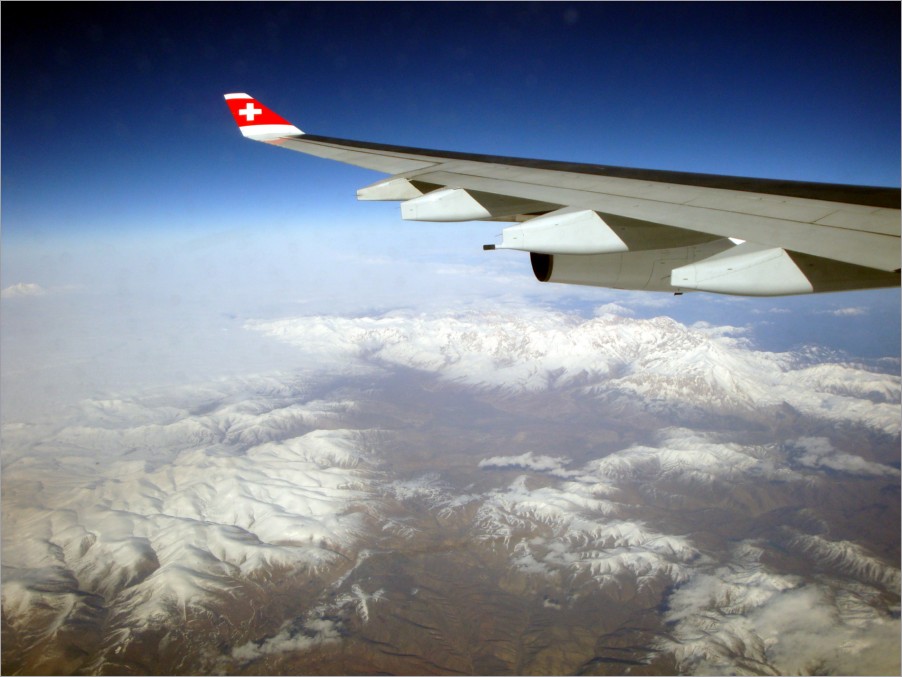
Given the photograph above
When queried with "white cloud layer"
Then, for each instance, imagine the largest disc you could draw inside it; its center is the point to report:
(22, 289)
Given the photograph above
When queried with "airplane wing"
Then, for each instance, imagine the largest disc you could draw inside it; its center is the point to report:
(631, 228)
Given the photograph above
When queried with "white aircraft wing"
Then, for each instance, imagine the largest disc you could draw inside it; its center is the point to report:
(631, 228)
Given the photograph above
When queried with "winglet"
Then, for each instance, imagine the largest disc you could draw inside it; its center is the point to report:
(256, 121)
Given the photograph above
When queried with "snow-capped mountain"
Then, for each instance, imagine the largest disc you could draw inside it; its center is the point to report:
(415, 478)
(658, 362)
(747, 619)
(180, 512)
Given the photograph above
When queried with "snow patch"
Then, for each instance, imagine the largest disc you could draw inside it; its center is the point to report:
(150, 508)
(658, 362)
(743, 619)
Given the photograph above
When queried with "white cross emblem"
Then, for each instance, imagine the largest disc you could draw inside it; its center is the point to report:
(250, 112)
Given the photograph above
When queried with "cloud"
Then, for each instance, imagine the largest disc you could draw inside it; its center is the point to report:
(854, 311)
(616, 309)
(718, 330)
(22, 289)
(321, 625)
(527, 461)
(311, 634)
(771, 311)
(818, 453)
(744, 618)
(640, 299)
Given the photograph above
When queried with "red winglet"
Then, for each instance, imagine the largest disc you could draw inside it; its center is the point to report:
(255, 119)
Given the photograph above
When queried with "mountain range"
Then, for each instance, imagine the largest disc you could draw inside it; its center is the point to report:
(482, 492)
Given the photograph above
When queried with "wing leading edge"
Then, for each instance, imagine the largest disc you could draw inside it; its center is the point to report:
(631, 228)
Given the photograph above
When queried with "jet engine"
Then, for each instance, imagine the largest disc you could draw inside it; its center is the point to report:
(646, 270)
(720, 266)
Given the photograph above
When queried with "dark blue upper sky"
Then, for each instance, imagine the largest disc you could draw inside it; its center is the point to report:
(113, 121)
(113, 113)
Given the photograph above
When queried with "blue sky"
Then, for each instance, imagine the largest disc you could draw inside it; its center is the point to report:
(113, 115)
(123, 173)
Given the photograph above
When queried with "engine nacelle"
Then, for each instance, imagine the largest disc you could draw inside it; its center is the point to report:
(721, 267)
(645, 270)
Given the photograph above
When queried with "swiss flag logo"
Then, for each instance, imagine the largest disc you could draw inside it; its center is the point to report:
(250, 112)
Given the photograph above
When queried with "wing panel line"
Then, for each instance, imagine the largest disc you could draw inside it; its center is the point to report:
(873, 250)
(873, 196)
